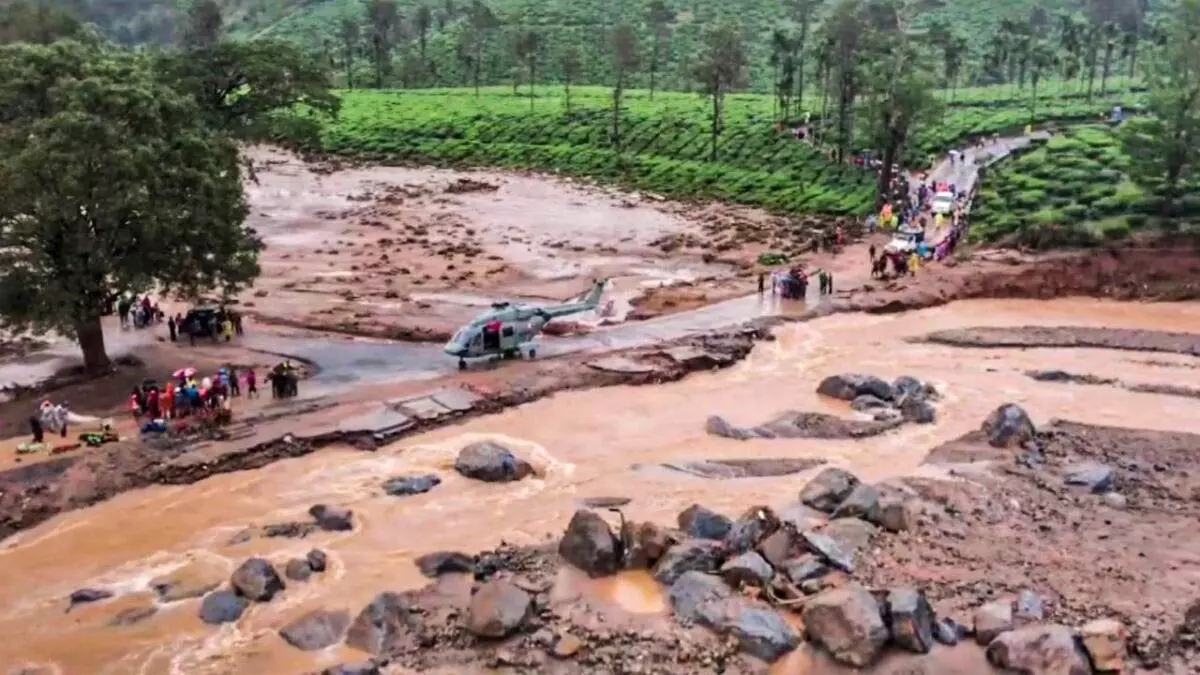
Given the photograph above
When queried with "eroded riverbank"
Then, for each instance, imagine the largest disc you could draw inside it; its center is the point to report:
(581, 443)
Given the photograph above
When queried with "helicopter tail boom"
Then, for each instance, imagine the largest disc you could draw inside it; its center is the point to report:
(588, 303)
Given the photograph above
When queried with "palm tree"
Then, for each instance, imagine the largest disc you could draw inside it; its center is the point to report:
(1070, 42)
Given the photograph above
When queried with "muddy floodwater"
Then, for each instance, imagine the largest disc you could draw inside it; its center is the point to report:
(584, 444)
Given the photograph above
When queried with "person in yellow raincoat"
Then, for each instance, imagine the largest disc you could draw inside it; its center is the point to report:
(914, 262)
(227, 329)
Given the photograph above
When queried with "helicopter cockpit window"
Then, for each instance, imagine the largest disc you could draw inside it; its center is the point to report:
(507, 332)
(477, 339)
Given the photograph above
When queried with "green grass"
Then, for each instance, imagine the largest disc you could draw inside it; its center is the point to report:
(1073, 188)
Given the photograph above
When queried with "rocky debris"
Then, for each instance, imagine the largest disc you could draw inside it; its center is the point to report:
(1104, 642)
(862, 502)
(317, 560)
(829, 550)
(907, 387)
(759, 631)
(84, 596)
(780, 546)
(852, 536)
(316, 630)
(910, 620)
(747, 569)
(699, 597)
(380, 622)
(402, 486)
(918, 411)
(869, 404)
(589, 544)
(849, 386)
(730, 469)
(800, 516)
(756, 524)
(993, 619)
(464, 185)
(1029, 607)
(1043, 648)
(605, 502)
(297, 569)
(828, 489)
(949, 632)
(256, 580)
(361, 668)
(1117, 501)
(332, 518)
(1064, 376)
(846, 622)
(1095, 477)
(1008, 426)
(645, 544)
(497, 609)
(436, 564)
(491, 462)
(190, 581)
(701, 523)
(222, 607)
(693, 555)
(293, 530)
(896, 512)
(805, 567)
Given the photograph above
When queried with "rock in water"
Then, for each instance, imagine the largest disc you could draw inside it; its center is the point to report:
(190, 581)
(363, 668)
(719, 426)
(589, 545)
(1096, 477)
(910, 619)
(222, 607)
(435, 565)
(1008, 426)
(297, 570)
(917, 410)
(991, 620)
(699, 597)
(693, 555)
(402, 486)
(332, 518)
(907, 387)
(492, 463)
(86, 595)
(868, 403)
(702, 523)
(1044, 649)
(498, 609)
(256, 580)
(849, 386)
(862, 502)
(316, 630)
(828, 489)
(317, 560)
(747, 569)
(379, 623)
(846, 622)
(756, 524)
(1104, 641)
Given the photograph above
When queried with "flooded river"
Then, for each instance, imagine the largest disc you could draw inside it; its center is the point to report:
(585, 444)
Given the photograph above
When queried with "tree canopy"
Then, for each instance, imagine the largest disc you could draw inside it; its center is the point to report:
(111, 181)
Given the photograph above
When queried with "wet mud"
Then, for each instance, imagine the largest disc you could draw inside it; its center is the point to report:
(1023, 337)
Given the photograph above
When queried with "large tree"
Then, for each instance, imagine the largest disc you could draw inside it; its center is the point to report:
(659, 16)
(625, 61)
(383, 21)
(720, 69)
(203, 25)
(27, 21)
(239, 85)
(1166, 146)
(111, 181)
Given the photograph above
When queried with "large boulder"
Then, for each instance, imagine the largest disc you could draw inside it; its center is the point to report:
(701, 523)
(699, 597)
(993, 619)
(590, 545)
(693, 555)
(780, 547)
(868, 403)
(760, 631)
(1045, 649)
(332, 518)
(491, 462)
(192, 580)
(756, 524)
(801, 516)
(1094, 476)
(747, 569)
(828, 489)
(222, 607)
(805, 567)
(849, 386)
(1104, 641)
(297, 569)
(846, 622)
(852, 535)
(434, 565)
(1008, 426)
(716, 425)
(918, 410)
(862, 502)
(256, 580)
(896, 512)
(379, 624)
(910, 620)
(498, 609)
(317, 560)
(829, 550)
(316, 630)
(645, 543)
(908, 388)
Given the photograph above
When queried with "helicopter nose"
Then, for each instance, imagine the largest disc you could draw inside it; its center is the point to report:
(452, 349)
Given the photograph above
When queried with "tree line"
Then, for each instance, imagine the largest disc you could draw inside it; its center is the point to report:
(119, 170)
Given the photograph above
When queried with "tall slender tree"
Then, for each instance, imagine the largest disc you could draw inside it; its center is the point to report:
(721, 69)
(624, 62)
(659, 16)
(383, 21)
(528, 47)
(802, 13)
(570, 61)
(350, 35)
(1041, 60)
(422, 24)
(483, 23)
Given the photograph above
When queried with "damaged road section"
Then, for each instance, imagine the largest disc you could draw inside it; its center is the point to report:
(31, 494)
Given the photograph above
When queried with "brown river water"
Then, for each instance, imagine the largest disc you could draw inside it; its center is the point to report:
(585, 445)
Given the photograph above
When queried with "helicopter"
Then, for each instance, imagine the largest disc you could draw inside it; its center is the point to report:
(507, 328)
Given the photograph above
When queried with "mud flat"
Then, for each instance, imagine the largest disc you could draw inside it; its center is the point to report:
(1070, 336)
(413, 253)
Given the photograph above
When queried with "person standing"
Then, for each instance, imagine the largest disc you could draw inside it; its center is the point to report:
(251, 383)
(762, 282)
(35, 426)
(171, 328)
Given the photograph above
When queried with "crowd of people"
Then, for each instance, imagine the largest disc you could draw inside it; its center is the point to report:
(186, 395)
(792, 284)
(910, 218)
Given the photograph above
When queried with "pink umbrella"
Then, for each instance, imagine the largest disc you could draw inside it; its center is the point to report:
(182, 372)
